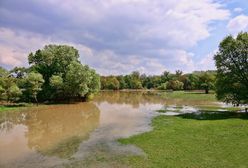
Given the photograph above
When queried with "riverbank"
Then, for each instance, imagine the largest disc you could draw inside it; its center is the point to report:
(204, 133)
(14, 106)
(218, 140)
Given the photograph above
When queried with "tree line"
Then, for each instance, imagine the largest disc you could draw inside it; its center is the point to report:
(55, 74)
(197, 80)
(230, 80)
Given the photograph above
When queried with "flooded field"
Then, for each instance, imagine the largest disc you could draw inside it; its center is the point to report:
(82, 134)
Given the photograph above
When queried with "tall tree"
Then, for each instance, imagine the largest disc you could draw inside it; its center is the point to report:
(207, 81)
(34, 83)
(63, 73)
(232, 69)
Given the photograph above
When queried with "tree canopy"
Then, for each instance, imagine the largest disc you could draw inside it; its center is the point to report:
(232, 69)
(177, 81)
(55, 73)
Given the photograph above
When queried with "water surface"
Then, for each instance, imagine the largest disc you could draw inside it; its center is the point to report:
(60, 135)
(81, 134)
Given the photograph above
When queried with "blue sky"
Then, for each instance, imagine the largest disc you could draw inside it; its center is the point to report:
(121, 36)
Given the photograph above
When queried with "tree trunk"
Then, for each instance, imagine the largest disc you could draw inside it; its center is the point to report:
(36, 100)
(246, 110)
(206, 91)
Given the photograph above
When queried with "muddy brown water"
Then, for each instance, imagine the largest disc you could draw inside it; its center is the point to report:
(76, 135)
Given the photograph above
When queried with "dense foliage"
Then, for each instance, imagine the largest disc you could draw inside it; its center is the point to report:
(232, 69)
(167, 81)
(55, 73)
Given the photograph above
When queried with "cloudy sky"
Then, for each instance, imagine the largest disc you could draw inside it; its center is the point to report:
(120, 36)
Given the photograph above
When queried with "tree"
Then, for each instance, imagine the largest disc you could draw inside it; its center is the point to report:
(8, 88)
(34, 83)
(179, 73)
(57, 83)
(232, 69)
(52, 60)
(14, 93)
(76, 80)
(174, 85)
(112, 83)
(64, 75)
(135, 82)
(122, 82)
(207, 81)
(94, 84)
(163, 86)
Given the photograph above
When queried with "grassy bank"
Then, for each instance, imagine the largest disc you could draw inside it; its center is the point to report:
(17, 106)
(213, 140)
(6, 108)
(189, 95)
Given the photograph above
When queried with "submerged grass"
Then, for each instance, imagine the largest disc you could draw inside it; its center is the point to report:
(6, 108)
(211, 108)
(64, 149)
(194, 95)
(185, 141)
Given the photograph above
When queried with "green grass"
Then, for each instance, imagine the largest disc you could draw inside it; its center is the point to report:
(12, 107)
(198, 96)
(6, 108)
(195, 140)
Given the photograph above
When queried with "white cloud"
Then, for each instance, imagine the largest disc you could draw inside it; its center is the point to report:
(15, 47)
(115, 36)
(238, 10)
(207, 62)
(237, 24)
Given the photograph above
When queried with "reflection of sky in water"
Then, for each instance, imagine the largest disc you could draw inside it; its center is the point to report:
(49, 135)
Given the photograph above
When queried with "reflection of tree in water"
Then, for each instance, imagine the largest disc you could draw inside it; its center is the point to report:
(134, 98)
(9, 119)
(59, 130)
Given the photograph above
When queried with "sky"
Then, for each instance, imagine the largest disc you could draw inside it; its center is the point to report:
(121, 36)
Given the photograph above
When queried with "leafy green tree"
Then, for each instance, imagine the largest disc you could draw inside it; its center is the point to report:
(193, 80)
(76, 80)
(3, 72)
(57, 84)
(34, 82)
(179, 73)
(232, 69)
(163, 86)
(135, 81)
(9, 90)
(94, 84)
(174, 85)
(64, 75)
(207, 81)
(122, 82)
(186, 82)
(165, 77)
(52, 60)
(112, 83)
(13, 93)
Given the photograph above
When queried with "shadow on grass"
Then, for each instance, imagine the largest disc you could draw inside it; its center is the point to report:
(213, 115)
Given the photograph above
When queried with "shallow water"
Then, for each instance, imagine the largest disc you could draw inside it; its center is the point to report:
(59, 135)
(78, 135)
